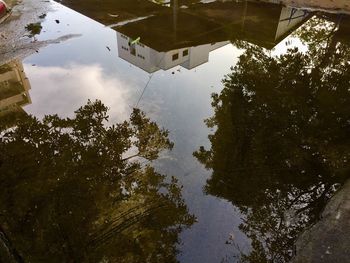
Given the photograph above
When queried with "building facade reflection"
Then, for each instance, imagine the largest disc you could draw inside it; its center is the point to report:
(185, 32)
(151, 60)
(14, 90)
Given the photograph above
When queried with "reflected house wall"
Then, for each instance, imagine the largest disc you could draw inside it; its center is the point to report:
(152, 60)
(138, 54)
(200, 55)
(290, 19)
(14, 88)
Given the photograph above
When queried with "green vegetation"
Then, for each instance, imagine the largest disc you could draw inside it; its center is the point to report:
(34, 29)
(74, 192)
(281, 146)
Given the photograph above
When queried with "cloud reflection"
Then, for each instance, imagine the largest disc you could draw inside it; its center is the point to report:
(62, 89)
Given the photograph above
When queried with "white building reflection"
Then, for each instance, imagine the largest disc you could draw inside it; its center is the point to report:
(189, 46)
(152, 60)
(184, 32)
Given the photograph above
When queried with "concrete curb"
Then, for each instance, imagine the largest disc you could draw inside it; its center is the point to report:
(328, 241)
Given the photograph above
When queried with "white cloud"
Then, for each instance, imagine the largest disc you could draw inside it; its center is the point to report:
(63, 90)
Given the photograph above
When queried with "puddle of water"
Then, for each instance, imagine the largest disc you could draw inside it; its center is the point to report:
(255, 99)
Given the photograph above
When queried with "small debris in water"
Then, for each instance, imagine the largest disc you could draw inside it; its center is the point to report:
(328, 252)
(34, 29)
(338, 215)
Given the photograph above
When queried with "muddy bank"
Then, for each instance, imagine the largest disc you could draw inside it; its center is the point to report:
(341, 6)
(329, 239)
(17, 40)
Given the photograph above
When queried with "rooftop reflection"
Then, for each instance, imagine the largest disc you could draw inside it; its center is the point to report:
(173, 35)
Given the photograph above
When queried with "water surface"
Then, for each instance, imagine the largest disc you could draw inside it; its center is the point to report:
(254, 100)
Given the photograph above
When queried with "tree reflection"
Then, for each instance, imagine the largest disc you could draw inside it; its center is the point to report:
(73, 191)
(281, 145)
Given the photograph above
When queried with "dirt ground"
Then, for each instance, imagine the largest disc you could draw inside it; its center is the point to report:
(15, 40)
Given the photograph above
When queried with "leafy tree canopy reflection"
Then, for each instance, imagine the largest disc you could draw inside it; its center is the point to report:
(72, 191)
(281, 145)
